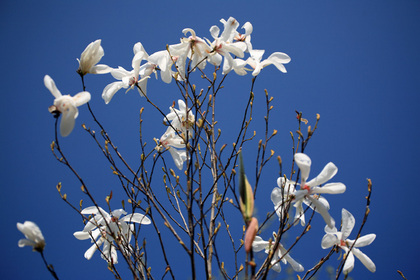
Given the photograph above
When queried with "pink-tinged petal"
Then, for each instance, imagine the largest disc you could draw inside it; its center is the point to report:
(329, 240)
(110, 90)
(136, 218)
(323, 210)
(364, 259)
(50, 85)
(230, 27)
(100, 69)
(250, 234)
(349, 264)
(363, 240)
(326, 174)
(331, 188)
(348, 223)
(304, 164)
(81, 98)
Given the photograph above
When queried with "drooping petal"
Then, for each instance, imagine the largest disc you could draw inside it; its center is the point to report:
(304, 164)
(278, 59)
(349, 264)
(89, 252)
(26, 242)
(348, 222)
(295, 265)
(179, 156)
(50, 85)
(68, 120)
(368, 263)
(326, 174)
(110, 90)
(321, 209)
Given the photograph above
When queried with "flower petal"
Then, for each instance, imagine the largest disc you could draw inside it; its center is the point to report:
(136, 218)
(363, 240)
(49, 84)
(304, 163)
(110, 90)
(349, 265)
(329, 240)
(81, 98)
(326, 174)
(348, 222)
(364, 259)
(331, 188)
(323, 210)
(68, 120)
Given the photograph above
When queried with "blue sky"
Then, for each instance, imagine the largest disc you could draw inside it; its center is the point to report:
(356, 64)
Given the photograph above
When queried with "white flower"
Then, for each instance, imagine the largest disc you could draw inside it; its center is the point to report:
(33, 236)
(66, 105)
(308, 193)
(246, 37)
(90, 57)
(277, 59)
(259, 244)
(108, 227)
(129, 79)
(179, 130)
(224, 45)
(339, 238)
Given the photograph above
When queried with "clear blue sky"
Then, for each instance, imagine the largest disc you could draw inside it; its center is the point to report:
(355, 63)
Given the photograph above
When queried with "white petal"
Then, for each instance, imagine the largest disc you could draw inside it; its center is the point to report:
(321, 209)
(364, 259)
(349, 265)
(329, 240)
(363, 240)
(89, 252)
(68, 120)
(348, 223)
(136, 218)
(26, 242)
(110, 90)
(100, 69)
(81, 235)
(49, 84)
(326, 174)
(330, 188)
(81, 98)
(259, 244)
(304, 163)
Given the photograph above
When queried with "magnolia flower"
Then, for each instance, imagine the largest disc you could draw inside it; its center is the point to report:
(308, 193)
(339, 238)
(246, 37)
(224, 45)
(281, 253)
(175, 144)
(66, 105)
(109, 227)
(90, 57)
(129, 79)
(33, 236)
(182, 119)
(277, 59)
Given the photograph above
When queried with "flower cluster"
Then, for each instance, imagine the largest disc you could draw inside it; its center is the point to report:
(103, 229)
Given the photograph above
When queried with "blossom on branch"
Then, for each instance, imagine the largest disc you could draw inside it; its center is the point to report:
(277, 59)
(104, 229)
(66, 105)
(339, 238)
(89, 59)
(281, 253)
(33, 236)
(308, 192)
